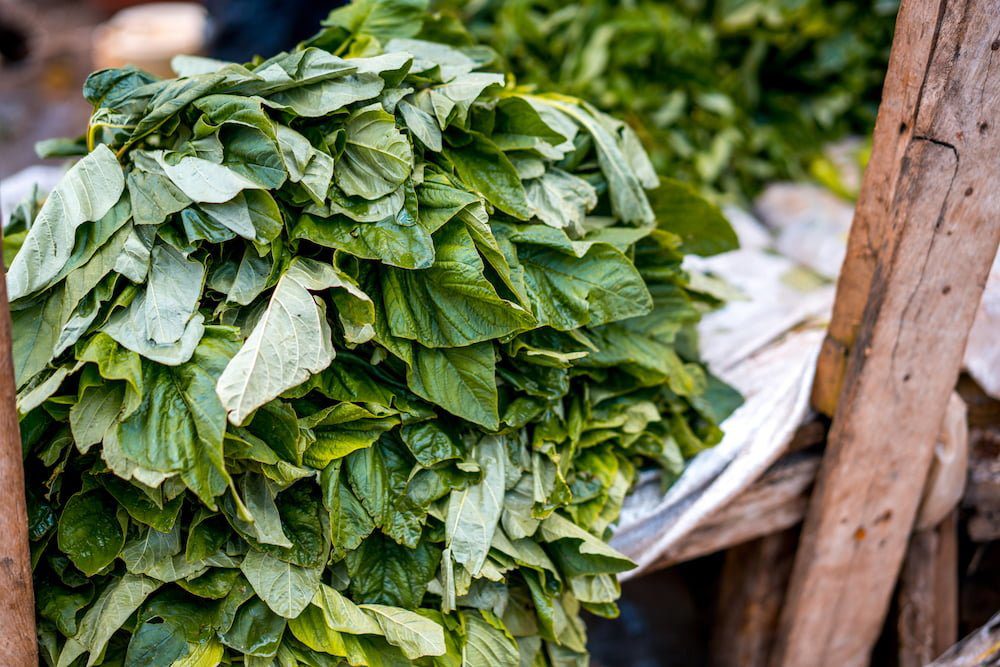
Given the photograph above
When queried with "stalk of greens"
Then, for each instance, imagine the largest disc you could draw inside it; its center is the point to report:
(725, 94)
(347, 356)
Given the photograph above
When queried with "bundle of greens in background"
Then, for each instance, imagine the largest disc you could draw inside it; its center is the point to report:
(726, 94)
(348, 356)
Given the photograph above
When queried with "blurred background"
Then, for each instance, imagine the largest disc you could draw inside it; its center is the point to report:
(48, 47)
(726, 94)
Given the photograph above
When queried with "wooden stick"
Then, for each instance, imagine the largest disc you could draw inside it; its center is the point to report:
(928, 594)
(870, 238)
(754, 578)
(945, 227)
(775, 502)
(17, 602)
(980, 649)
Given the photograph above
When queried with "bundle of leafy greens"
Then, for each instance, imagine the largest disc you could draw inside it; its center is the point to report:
(725, 94)
(348, 356)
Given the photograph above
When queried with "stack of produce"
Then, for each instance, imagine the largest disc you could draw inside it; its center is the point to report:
(726, 94)
(348, 356)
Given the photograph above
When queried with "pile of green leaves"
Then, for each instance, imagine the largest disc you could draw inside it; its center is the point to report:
(726, 94)
(347, 356)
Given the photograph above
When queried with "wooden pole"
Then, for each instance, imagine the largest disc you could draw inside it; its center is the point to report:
(751, 591)
(941, 229)
(928, 594)
(870, 238)
(18, 647)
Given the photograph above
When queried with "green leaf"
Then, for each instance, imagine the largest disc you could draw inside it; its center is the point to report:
(486, 170)
(203, 181)
(342, 615)
(628, 198)
(487, 642)
(154, 197)
(702, 227)
(155, 645)
(349, 521)
(415, 635)
(256, 630)
(430, 443)
(325, 97)
(90, 532)
(172, 294)
(383, 572)
(561, 200)
(116, 603)
(89, 190)
(179, 425)
(578, 552)
(170, 97)
(381, 19)
(473, 514)
(422, 124)
(397, 240)
(568, 292)
(377, 157)
(291, 341)
(61, 605)
(311, 629)
(451, 304)
(462, 380)
(143, 554)
(287, 589)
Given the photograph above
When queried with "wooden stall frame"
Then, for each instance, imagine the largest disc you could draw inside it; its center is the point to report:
(924, 238)
(19, 647)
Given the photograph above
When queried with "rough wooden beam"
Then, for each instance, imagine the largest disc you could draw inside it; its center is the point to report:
(777, 501)
(982, 495)
(945, 200)
(980, 649)
(928, 594)
(894, 131)
(17, 602)
(752, 589)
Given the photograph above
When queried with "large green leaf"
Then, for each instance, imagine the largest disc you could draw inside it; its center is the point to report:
(415, 635)
(172, 293)
(90, 532)
(450, 304)
(178, 427)
(287, 589)
(702, 227)
(383, 572)
(485, 169)
(377, 157)
(473, 514)
(462, 380)
(91, 187)
(380, 18)
(116, 603)
(291, 340)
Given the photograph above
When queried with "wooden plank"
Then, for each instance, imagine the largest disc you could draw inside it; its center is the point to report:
(923, 297)
(775, 502)
(982, 494)
(927, 624)
(871, 236)
(946, 588)
(17, 603)
(980, 649)
(752, 589)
